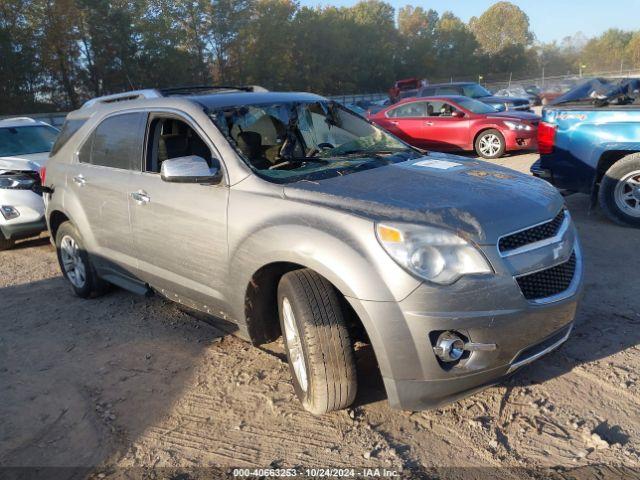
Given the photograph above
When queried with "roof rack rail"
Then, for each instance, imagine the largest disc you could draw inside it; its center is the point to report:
(166, 92)
(123, 97)
(191, 89)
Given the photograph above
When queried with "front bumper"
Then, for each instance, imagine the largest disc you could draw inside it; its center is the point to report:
(490, 310)
(521, 140)
(30, 222)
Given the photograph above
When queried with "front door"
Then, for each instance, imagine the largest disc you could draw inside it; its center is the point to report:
(446, 130)
(180, 230)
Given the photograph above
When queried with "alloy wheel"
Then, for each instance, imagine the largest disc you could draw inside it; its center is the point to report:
(294, 345)
(490, 145)
(72, 262)
(627, 194)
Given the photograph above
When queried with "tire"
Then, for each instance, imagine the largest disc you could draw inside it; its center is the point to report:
(622, 178)
(326, 377)
(495, 138)
(80, 273)
(5, 244)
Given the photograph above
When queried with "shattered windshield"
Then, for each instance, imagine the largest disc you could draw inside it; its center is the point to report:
(292, 141)
(603, 92)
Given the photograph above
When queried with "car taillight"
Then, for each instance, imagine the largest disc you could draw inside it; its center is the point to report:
(546, 137)
(43, 175)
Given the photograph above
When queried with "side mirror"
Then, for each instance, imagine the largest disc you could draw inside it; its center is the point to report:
(457, 114)
(191, 169)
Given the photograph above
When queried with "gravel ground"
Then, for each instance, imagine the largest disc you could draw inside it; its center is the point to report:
(127, 381)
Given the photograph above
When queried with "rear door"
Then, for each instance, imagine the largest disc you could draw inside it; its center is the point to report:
(407, 121)
(100, 182)
(445, 131)
(180, 229)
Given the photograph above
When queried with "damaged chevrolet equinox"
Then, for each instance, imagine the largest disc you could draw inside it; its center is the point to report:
(285, 214)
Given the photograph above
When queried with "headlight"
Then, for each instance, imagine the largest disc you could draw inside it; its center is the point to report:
(517, 126)
(431, 253)
(16, 181)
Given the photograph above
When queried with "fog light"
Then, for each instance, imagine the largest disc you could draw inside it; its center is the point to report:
(9, 213)
(449, 347)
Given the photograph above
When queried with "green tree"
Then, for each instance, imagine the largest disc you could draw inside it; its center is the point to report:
(455, 47)
(606, 52)
(19, 61)
(108, 44)
(265, 44)
(57, 34)
(417, 39)
(633, 51)
(226, 19)
(501, 26)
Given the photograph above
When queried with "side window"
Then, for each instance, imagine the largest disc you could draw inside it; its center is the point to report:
(68, 129)
(172, 138)
(435, 109)
(446, 110)
(413, 109)
(427, 92)
(117, 142)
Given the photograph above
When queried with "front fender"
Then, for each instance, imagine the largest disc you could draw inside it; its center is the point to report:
(338, 245)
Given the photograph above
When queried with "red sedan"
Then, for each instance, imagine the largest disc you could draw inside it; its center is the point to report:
(453, 123)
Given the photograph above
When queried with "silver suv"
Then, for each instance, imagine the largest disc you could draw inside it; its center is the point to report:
(287, 214)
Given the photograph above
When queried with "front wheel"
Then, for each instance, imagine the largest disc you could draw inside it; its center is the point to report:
(619, 194)
(490, 144)
(75, 263)
(317, 342)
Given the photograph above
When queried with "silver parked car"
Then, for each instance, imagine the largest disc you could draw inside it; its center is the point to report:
(285, 214)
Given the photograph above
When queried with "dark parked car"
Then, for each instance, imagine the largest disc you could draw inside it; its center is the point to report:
(477, 92)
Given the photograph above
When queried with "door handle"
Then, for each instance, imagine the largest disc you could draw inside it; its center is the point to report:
(394, 123)
(428, 124)
(79, 180)
(141, 197)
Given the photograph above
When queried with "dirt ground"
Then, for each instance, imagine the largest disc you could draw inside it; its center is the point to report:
(127, 381)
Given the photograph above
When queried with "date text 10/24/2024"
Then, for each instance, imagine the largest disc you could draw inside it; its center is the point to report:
(316, 472)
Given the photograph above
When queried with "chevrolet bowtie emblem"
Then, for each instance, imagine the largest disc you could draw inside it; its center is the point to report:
(558, 250)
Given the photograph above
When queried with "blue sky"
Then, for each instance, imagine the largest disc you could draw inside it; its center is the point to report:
(550, 19)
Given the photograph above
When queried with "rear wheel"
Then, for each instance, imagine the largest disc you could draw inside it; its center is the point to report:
(317, 342)
(5, 244)
(619, 194)
(75, 263)
(490, 144)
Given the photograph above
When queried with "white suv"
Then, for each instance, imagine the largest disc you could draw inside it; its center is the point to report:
(25, 144)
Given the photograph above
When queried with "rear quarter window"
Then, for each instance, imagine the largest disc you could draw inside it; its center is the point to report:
(69, 128)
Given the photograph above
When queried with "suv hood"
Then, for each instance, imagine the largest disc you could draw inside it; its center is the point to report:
(478, 200)
(31, 162)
